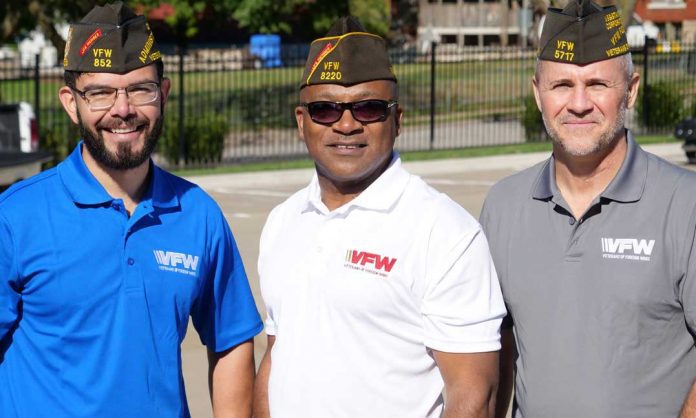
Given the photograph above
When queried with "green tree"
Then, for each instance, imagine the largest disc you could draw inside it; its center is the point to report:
(21, 16)
(374, 14)
(186, 16)
(273, 16)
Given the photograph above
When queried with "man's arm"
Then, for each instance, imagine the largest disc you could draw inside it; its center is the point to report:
(689, 408)
(231, 380)
(508, 354)
(261, 408)
(470, 383)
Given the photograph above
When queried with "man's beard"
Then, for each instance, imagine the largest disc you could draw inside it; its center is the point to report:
(606, 138)
(124, 158)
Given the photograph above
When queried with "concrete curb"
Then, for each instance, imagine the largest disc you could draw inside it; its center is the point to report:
(671, 152)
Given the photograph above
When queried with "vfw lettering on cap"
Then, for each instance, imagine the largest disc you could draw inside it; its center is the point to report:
(177, 262)
(627, 248)
(369, 262)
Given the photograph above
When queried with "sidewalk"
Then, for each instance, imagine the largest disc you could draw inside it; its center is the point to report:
(670, 151)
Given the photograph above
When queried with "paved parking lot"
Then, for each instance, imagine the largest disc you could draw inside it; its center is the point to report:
(247, 198)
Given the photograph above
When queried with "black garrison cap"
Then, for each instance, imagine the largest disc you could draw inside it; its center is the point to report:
(581, 33)
(347, 55)
(110, 39)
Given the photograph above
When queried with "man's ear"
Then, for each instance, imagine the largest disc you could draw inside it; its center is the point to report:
(398, 119)
(165, 86)
(633, 86)
(299, 118)
(69, 101)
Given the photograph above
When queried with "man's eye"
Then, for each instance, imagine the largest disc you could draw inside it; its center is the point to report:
(560, 86)
(99, 93)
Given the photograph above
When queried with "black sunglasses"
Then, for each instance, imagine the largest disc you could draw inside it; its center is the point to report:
(364, 111)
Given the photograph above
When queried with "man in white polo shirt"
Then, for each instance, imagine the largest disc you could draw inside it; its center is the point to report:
(380, 291)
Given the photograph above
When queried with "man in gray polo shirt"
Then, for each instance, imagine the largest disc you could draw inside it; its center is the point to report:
(595, 246)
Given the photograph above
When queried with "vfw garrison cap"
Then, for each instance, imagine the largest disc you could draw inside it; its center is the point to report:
(347, 55)
(581, 33)
(110, 39)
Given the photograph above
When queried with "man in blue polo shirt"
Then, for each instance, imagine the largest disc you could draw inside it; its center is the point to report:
(103, 258)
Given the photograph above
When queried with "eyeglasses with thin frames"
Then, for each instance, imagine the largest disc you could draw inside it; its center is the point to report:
(103, 98)
(364, 111)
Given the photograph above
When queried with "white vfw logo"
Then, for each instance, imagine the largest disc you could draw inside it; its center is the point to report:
(177, 262)
(627, 248)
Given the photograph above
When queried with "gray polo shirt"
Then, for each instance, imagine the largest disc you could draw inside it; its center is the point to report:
(604, 307)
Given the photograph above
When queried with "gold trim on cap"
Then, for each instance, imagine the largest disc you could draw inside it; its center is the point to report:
(326, 51)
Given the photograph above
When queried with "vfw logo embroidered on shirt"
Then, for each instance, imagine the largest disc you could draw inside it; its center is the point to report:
(627, 248)
(369, 262)
(177, 262)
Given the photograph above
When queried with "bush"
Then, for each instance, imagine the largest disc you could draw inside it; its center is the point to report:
(204, 138)
(534, 130)
(59, 140)
(665, 105)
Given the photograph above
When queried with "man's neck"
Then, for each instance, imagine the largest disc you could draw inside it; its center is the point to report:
(127, 185)
(581, 179)
(335, 193)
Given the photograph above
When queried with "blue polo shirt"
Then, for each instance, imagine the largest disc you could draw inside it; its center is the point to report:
(94, 304)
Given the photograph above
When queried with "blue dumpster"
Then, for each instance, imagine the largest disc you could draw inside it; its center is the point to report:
(267, 49)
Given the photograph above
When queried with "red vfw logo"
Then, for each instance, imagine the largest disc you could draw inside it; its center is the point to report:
(363, 258)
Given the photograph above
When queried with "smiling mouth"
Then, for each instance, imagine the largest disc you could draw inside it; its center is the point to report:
(348, 146)
(124, 130)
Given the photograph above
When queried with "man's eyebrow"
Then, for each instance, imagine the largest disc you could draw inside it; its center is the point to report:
(92, 86)
(328, 96)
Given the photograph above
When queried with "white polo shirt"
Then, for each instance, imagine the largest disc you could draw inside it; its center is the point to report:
(358, 295)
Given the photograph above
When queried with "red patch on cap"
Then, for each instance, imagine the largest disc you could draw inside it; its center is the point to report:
(323, 53)
(90, 41)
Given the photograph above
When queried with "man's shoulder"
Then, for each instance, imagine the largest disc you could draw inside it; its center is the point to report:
(667, 173)
(187, 191)
(30, 192)
(291, 206)
(516, 185)
(432, 205)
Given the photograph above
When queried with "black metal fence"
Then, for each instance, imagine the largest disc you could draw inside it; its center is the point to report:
(227, 106)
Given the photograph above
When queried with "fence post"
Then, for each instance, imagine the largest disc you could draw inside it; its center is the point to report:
(432, 94)
(37, 91)
(182, 135)
(646, 85)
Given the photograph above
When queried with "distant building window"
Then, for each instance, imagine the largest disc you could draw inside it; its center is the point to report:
(471, 40)
(491, 40)
(448, 39)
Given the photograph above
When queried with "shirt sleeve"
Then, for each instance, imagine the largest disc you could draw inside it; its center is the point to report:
(9, 278)
(264, 244)
(224, 313)
(462, 305)
(688, 282)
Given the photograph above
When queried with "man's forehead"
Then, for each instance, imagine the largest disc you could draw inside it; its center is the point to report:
(143, 74)
(608, 69)
(381, 89)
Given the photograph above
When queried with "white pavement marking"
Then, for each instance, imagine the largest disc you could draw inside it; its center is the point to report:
(238, 215)
(448, 182)
(268, 193)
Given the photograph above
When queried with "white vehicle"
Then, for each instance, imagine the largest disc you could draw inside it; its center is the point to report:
(20, 157)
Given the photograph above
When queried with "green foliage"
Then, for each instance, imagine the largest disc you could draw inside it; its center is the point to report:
(18, 17)
(532, 122)
(272, 16)
(374, 14)
(204, 137)
(59, 142)
(665, 106)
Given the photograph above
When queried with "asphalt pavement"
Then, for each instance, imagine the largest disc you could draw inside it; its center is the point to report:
(247, 198)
